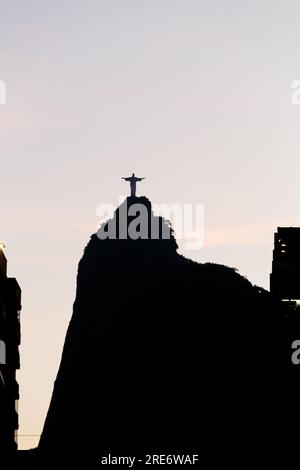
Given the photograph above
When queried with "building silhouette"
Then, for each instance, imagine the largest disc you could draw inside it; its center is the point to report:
(285, 276)
(10, 306)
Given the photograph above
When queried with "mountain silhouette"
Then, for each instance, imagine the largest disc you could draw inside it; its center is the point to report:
(161, 352)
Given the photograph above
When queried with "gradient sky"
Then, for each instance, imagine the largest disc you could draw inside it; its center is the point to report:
(194, 95)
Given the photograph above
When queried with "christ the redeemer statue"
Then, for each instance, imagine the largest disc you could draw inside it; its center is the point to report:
(133, 179)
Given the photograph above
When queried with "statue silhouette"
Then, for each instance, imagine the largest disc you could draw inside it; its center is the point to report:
(133, 180)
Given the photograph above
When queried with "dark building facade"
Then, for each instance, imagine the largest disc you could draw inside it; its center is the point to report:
(10, 306)
(285, 276)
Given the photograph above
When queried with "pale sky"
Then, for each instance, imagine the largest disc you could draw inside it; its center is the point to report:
(193, 95)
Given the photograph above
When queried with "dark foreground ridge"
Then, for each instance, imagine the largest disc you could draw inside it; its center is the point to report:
(162, 353)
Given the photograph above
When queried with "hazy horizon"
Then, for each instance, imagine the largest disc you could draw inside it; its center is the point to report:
(195, 96)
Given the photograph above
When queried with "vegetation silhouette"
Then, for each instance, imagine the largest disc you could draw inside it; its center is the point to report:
(162, 354)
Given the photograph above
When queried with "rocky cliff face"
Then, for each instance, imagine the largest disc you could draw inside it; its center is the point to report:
(161, 352)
